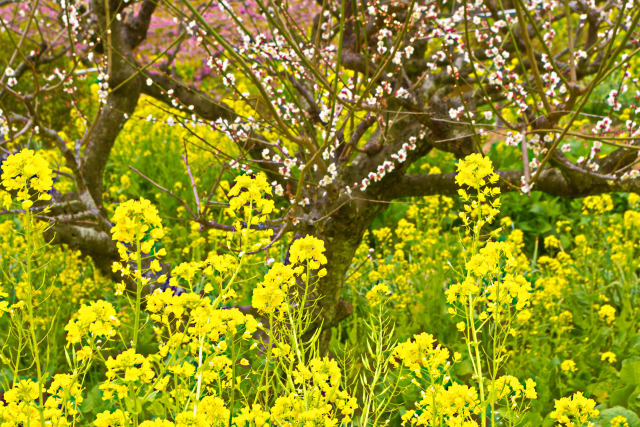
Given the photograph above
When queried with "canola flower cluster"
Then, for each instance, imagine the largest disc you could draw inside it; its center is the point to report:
(442, 402)
(137, 222)
(422, 354)
(574, 410)
(475, 172)
(306, 256)
(247, 199)
(29, 175)
(94, 321)
(250, 204)
(64, 399)
(272, 293)
(137, 231)
(206, 330)
(321, 381)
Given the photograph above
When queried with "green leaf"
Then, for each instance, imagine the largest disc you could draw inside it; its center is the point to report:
(156, 409)
(463, 368)
(92, 401)
(607, 415)
(634, 345)
(630, 371)
(531, 419)
(152, 396)
(621, 396)
(133, 405)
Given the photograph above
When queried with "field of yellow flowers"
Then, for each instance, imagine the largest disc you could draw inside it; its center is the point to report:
(459, 317)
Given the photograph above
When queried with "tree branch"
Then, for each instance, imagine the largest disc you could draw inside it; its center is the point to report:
(551, 181)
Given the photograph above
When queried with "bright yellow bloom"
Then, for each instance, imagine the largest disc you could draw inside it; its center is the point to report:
(619, 421)
(156, 423)
(96, 320)
(272, 293)
(27, 172)
(551, 241)
(326, 403)
(308, 249)
(421, 352)
(607, 314)
(378, 294)
(631, 219)
(530, 389)
(137, 220)
(568, 366)
(574, 410)
(65, 389)
(455, 405)
(597, 204)
(112, 419)
(22, 391)
(247, 198)
(475, 171)
(509, 387)
(253, 415)
(126, 369)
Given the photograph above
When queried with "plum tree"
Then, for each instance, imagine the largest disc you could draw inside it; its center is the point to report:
(335, 101)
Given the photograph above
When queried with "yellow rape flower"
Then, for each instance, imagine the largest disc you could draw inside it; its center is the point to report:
(475, 171)
(455, 405)
(551, 241)
(607, 314)
(118, 418)
(568, 366)
(27, 172)
(308, 249)
(22, 391)
(251, 415)
(135, 220)
(93, 320)
(421, 352)
(619, 421)
(597, 204)
(271, 294)
(631, 219)
(211, 411)
(509, 388)
(329, 405)
(247, 197)
(156, 423)
(574, 410)
(126, 368)
(378, 294)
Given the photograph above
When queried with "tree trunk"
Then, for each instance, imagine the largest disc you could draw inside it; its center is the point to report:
(342, 233)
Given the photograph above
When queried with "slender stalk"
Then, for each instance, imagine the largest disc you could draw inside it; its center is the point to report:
(379, 367)
(478, 364)
(199, 386)
(136, 323)
(32, 328)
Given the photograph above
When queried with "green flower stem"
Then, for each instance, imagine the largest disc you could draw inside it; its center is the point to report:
(31, 318)
(136, 323)
(477, 365)
(199, 386)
